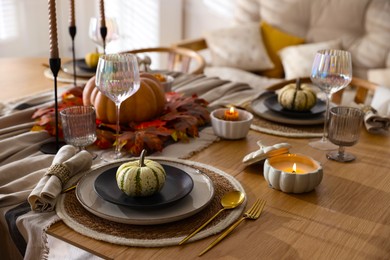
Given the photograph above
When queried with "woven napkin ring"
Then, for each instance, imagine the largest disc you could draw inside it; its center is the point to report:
(59, 170)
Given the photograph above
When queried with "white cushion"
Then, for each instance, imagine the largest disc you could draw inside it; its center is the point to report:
(380, 76)
(240, 47)
(297, 60)
(363, 25)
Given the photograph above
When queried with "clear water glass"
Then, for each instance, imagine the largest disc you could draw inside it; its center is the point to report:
(117, 77)
(345, 124)
(79, 125)
(331, 72)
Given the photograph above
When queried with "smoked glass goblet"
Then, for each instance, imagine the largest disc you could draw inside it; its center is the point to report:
(344, 130)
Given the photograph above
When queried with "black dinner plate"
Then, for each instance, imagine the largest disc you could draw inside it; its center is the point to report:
(272, 104)
(80, 63)
(178, 184)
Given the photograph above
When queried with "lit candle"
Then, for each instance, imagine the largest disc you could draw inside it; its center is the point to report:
(53, 30)
(72, 20)
(293, 168)
(102, 16)
(302, 169)
(231, 114)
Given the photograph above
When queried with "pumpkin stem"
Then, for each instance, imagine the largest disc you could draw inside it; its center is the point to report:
(298, 83)
(142, 158)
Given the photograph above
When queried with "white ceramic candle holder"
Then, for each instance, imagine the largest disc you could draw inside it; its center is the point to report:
(231, 129)
(278, 172)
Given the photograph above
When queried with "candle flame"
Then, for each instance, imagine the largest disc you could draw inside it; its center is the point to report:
(294, 167)
(231, 111)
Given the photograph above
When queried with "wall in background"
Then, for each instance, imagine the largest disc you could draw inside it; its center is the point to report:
(144, 23)
(206, 15)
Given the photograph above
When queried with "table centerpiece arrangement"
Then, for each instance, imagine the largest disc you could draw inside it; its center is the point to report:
(179, 119)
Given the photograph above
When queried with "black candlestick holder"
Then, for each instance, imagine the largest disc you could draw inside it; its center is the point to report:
(103, 33)
(72, 32)
(53, 147)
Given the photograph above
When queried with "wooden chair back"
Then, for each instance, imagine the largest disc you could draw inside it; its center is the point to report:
(178, 59)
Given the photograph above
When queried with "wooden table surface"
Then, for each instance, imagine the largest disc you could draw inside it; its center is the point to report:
(21, 77)
(346, 217)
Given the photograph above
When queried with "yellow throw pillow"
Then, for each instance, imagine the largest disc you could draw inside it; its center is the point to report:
(275, 40)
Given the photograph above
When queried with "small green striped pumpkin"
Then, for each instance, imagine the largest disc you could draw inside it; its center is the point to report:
(140, 178)
(297, 97)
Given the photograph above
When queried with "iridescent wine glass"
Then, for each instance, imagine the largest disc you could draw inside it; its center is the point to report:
(331, 72)
(345, 124)
(117, 77)
(95, 35)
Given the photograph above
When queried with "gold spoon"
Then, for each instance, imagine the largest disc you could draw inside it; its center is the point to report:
(230, 200)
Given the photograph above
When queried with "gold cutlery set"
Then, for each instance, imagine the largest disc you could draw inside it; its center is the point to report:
(230, 200)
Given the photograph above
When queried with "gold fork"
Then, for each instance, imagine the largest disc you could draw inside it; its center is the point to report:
(253, 213)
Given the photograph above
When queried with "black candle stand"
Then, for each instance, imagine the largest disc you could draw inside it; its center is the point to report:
(53, 147)
(72, 32)
(103, 33)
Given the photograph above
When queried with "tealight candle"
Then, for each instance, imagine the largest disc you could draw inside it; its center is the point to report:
(230, 114)
(231, 129)
(293, 167)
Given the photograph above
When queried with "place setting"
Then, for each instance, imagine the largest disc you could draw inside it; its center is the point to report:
(294, 104)
(190, 195)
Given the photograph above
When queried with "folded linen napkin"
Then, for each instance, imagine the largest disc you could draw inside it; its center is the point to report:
(65, 165)
(375, 123)
(377, 117)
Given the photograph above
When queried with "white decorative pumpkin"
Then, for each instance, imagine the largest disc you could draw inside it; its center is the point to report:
(297, 97)
(278, 175)
(140, 178)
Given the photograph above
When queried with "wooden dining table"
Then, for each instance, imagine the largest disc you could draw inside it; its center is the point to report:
(347, 216)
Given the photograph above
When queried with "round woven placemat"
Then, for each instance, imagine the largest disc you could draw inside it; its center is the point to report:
(82, 221)
(268, 127)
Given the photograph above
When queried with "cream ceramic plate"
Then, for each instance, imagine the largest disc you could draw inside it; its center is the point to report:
(261, 110)
(195, 201)
(67, 67)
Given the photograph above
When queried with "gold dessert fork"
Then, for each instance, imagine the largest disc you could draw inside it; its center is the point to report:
(253, 213)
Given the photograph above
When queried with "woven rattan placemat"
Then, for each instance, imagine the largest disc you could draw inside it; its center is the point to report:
(75, 216)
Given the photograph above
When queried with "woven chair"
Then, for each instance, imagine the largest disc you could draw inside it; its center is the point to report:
(176, 59)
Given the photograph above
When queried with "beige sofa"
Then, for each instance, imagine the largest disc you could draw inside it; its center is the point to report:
(240, 52)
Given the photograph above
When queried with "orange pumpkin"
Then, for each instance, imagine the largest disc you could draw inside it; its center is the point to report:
(147, 103)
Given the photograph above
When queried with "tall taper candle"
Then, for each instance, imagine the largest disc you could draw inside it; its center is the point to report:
(53, 30)
(72, 20)
(102, 15)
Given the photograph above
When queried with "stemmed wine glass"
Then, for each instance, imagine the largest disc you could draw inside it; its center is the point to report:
(331, 72)
(344, 130)
(117, 77)
(94, 31)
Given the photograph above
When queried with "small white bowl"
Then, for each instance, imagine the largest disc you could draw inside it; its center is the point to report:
(167, 85)
(231, 129)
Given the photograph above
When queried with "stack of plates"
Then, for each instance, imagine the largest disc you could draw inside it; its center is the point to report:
(82, 69)
(186, 192)
(267, 106)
